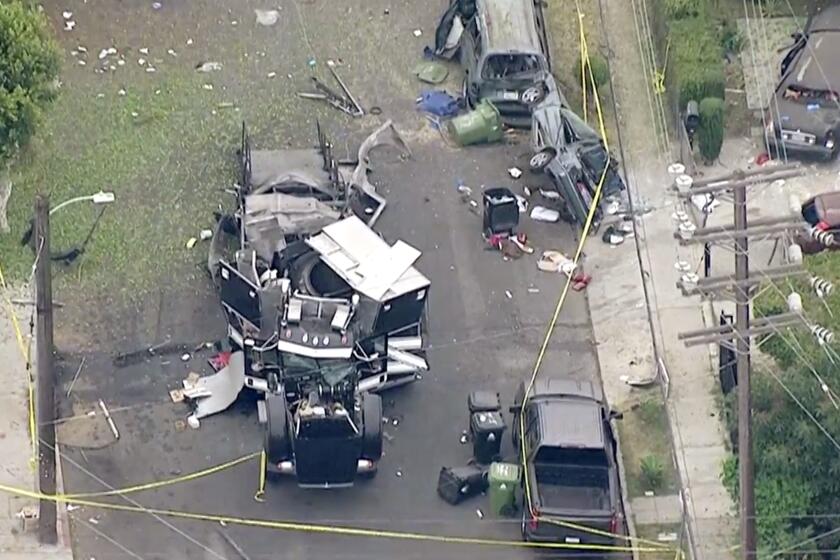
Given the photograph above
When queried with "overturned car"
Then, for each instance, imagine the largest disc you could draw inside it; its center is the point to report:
(322, 312)
(574, 158)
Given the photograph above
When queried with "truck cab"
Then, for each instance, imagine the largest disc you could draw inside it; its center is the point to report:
(571, 485)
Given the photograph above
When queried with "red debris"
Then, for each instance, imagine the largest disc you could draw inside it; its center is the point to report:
(580, 281)
(762, 158)
(220, 360)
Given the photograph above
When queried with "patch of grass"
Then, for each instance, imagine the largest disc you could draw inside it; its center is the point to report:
(653, 533)
(644, 433)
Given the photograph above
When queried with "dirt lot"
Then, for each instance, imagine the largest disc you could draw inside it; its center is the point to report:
(138, 285)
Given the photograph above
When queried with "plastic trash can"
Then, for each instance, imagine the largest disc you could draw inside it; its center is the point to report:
(503, 479)
(484, 401)
(483, 124)
(486, 429)
(500, 211)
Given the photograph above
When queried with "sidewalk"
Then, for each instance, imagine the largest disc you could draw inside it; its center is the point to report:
(19, 542)
(622, 326)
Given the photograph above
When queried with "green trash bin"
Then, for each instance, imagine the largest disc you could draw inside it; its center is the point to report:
(503, 479)
(483, 124)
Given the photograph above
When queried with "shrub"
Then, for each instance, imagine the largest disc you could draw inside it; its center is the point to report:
(29, 64)
(600, 72)
(731, 38)
(696, 60)
(678, 9)
(710, 133)
(653, 471)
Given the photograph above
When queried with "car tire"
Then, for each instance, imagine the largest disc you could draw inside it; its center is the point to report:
(541, 159)
(277, 443)
(372, 426)
(533, 94)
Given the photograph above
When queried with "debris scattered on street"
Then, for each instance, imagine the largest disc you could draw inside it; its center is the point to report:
(508, 294)
(267, 18)
(522, 203)
(109, 419)
(395, 422)
(191, 242)
(418, 32)
(612, 236)
(171, 52)
(399, 473)
(93, 521)
(271, 74)
(144, 50)
(543, 214)
(189, 42)
(141, 61)
(76, 376)
(67, 15)
(533, 290)
(431, 71)
(479, 513)
(121, 92)
(437, 102)
(515, 172)
(580, 281)
(464, 438)
(69, 25)
(193, 422)
(205, 234)
(550, 195)
(185, 357)
(72, 507)
(344, 102)
(180, 425)
(555, 261)
(208, 87)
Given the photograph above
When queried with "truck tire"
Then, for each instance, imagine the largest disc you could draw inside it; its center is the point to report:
(277, 444)
(372, 420)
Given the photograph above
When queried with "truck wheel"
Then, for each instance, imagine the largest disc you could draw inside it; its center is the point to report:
(372, 420)
(277, 446)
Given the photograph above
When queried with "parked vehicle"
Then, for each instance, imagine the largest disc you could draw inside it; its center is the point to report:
(807, 121)
(571, 465)
(503, 48)
(572, 154)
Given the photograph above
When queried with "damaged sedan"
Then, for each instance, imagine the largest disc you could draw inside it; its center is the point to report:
(574, 158)
(503, 48)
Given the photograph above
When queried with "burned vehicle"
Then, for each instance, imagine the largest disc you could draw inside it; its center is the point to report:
(503, 48)
(322, 312)
(806, 102)
(574, 158)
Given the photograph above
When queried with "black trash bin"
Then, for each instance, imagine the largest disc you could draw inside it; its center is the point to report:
(456, 484)
(486, 429)
(501, 211)
(483, 401)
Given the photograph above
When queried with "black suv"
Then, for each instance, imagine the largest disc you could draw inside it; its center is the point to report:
(807, 121)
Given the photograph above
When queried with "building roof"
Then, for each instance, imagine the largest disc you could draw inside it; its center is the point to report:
(366, 262)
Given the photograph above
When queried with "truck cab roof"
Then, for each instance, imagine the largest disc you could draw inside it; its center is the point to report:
(571, 423)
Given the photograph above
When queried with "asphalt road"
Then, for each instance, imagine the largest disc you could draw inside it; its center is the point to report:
(480, 337)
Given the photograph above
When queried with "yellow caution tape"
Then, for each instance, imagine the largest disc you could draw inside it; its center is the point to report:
(317, 528)
(561, 301)
(161, 483)
(260, 495)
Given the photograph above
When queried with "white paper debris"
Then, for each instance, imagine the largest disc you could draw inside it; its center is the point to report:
(121, 92)
(141, 61)
(418, 32)
(515, 172)
(144, 50)
(267, 17)
(189, 42)
(67, 15)
(69, 25)
(171, 52)
(208, 87)
(211, 66)
(543, 214)
(103, 53)
(150, 69)
(272, 74)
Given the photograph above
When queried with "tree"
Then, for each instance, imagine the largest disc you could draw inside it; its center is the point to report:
(29, 65)
(710, 134)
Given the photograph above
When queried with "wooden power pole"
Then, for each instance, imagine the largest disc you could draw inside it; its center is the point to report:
(740, 286)
(47, 533)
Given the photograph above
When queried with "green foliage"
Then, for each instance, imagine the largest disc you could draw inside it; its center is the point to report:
(600, 71)
(29, 64)
(731, 38)
(696, 59)
(679, 9)
(710, 133)
(653, 471)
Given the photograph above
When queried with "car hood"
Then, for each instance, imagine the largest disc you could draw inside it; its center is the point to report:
(797, 116)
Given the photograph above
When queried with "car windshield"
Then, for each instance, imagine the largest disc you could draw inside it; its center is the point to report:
(501, 66)
(332, 371)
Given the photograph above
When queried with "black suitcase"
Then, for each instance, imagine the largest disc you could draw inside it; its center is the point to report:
(457, 483)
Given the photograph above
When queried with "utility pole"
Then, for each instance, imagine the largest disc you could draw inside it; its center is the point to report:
(746, 469)
(46, 372)
(742, 284)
